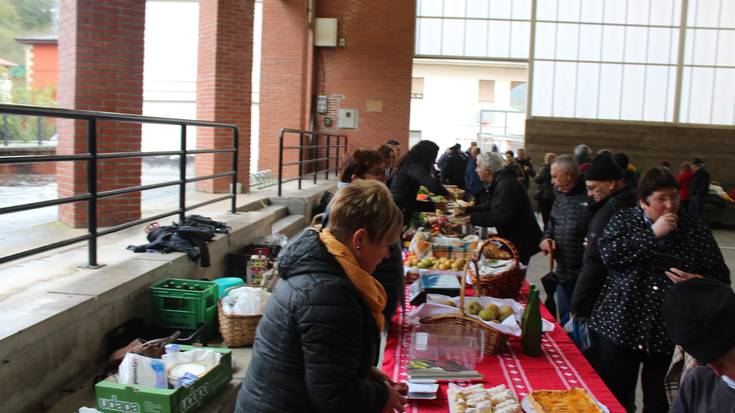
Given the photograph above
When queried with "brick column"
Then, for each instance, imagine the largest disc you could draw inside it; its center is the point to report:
(100, 68)
(285, 78)
(224, 71)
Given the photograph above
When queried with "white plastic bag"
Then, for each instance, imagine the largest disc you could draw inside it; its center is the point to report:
(245, 301)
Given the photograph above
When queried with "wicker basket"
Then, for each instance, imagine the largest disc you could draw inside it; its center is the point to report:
(237, 330)
(505, 284)
(462, 324)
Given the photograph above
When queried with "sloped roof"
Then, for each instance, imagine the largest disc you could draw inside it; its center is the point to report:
(46, 38)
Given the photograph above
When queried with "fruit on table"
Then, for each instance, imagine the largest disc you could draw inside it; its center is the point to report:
(486, 315)
(433, 263)
(505, 312)
(474, 307)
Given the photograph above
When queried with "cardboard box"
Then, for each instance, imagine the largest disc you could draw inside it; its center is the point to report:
(129, 398)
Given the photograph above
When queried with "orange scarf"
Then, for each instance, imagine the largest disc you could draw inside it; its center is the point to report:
(372, 292)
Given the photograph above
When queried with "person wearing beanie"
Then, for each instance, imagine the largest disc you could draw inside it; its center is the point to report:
(699, 315)
(638, 246)
(604, 181)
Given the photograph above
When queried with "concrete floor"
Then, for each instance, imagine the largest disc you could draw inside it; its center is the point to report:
(81, 393)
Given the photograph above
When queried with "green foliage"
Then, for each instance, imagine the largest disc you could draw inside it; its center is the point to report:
(26, 128)
(22, 18)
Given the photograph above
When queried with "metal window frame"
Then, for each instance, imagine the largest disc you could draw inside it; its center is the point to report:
(672, 110)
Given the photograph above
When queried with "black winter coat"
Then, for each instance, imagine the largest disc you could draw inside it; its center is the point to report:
(700, 184)
(453, 169)
(406, 184)
(628, 313)
(316, 342)
(508, 209)
(568, 222)
(593, 273)
(545, 187)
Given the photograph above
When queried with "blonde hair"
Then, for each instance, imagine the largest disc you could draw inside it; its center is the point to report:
(549, 157)
(365, 204)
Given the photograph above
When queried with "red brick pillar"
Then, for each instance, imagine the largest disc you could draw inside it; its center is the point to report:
(285, 78)
(225, 60)
(100, 68)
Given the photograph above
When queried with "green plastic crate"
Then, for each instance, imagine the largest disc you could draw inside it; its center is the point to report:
(183, 303)
(130, 398)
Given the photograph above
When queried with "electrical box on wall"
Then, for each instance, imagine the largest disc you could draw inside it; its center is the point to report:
(321, 105)
(325, 32)
(347, 119)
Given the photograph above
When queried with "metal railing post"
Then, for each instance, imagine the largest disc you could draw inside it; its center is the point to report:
(182, 176)
(315, 154)
(329, 154)
(39, 129)
(92, 189)
(336, 162)
(280, 162)
(235, 167)
(301, 156)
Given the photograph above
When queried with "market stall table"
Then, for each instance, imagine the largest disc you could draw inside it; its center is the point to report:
(561, 366)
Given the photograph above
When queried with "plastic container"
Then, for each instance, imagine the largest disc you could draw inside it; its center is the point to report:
(447, 349)
(183, 303)
(225, 284)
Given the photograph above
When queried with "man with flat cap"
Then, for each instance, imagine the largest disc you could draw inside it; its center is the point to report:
(699, 315)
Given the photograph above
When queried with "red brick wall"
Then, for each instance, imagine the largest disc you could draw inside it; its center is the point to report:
(100, 68)
(224, 87)
(285, 78)
(375, 65)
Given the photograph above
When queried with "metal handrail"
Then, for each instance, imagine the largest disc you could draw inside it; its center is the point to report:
(313, 146)
(92, 195)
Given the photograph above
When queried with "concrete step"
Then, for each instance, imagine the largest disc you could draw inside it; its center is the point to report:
(280, 211)
(289, 226)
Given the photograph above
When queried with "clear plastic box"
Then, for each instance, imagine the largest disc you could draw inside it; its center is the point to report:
(451, 352)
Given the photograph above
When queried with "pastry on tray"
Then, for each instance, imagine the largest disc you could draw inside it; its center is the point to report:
(562, 401)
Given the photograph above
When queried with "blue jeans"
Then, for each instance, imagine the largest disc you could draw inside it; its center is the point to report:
(563, 301)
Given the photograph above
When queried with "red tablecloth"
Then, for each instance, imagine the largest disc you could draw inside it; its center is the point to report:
(561, 366)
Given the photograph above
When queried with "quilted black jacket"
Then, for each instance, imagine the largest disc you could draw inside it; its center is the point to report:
(316, 342)
(593, 273)
(568, 223)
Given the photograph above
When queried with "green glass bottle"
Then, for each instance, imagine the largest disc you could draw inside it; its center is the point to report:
(531, 325)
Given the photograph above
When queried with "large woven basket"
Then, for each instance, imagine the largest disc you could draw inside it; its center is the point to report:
(459, 323)
(505, 284)
(237, 330)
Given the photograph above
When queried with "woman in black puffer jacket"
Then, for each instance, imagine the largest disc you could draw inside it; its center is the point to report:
(416, 168)
(318, 340)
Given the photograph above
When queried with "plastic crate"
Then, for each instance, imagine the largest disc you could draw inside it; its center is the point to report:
(183, 303)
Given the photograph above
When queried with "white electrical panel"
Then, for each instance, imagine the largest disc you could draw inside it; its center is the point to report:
(325, 32)
(347, 119)
(322, 104)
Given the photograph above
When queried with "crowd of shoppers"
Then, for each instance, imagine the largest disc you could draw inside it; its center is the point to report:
(637, 272)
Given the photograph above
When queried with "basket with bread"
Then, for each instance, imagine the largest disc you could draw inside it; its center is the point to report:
(495, 271)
